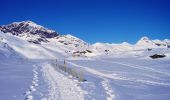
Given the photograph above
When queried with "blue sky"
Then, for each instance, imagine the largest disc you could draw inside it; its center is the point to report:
(112, 21)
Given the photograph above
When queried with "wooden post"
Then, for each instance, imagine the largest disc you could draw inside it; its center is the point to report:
(65, 66)
(64, 61)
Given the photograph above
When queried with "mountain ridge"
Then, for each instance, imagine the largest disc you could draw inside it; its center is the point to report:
(29, 27)
(68, 45)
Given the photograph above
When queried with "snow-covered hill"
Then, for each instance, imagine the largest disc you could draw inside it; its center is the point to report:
(42, 41)
(31, 59)
(68, 45)
(145, 41)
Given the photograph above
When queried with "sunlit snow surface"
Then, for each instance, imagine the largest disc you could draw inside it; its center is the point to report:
(15, 77)
(107, 78)
(130, 78)
(127, 73)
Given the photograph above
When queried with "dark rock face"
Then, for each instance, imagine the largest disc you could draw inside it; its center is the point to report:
(149, 49)
(155, 56)
(28, 27)
(89, 51)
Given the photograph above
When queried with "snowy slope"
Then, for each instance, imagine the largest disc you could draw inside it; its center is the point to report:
(145, 41)
(31, 55)
(126, 78)
(26, 49)
(69, 45)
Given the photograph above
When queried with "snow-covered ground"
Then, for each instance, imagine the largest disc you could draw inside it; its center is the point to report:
(126, 78)
(107, 79)
(30, 71)
(15, 77)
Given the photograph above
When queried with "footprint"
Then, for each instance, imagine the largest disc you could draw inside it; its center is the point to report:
(32, 88)
(29, 97)
(109, 92)
(34, 84)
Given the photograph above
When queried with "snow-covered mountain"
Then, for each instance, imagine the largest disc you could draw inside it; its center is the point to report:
(145, 41)
(29, 27)
(29, 31)
(37, 42)
(37, 63)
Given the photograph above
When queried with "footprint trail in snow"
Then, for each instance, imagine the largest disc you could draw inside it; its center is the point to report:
(109, 92)
(34, 84)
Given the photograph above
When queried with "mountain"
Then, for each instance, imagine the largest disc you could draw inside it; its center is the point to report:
(145, 41)
(38, 63)
(18, 28)
(35, 41)
(167, 41)
(29, 30)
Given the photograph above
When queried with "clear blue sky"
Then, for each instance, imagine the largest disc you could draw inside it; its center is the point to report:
(112, 21)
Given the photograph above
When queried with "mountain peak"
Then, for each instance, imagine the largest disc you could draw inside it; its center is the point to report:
(28, 23)
(28, 27)
(145, 41)
(125, 43)
(144, 38)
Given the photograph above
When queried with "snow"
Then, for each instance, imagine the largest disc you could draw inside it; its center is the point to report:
(129, 79)
(31, 25)
(61, 87)
(109, 92)
(145, 41)
(27, 49)
(15, 76)
(112, 71)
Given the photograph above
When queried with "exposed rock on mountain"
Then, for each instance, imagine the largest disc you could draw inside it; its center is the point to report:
(69, 45)
(30, 31)
(30, 27)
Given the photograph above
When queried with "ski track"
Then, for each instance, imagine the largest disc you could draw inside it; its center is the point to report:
(60, 86)
(105, 83)
(137, 67)
(118, 77)
(34, 84)
(109, 92)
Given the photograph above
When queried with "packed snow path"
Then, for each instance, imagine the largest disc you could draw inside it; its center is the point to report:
(60, 86)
